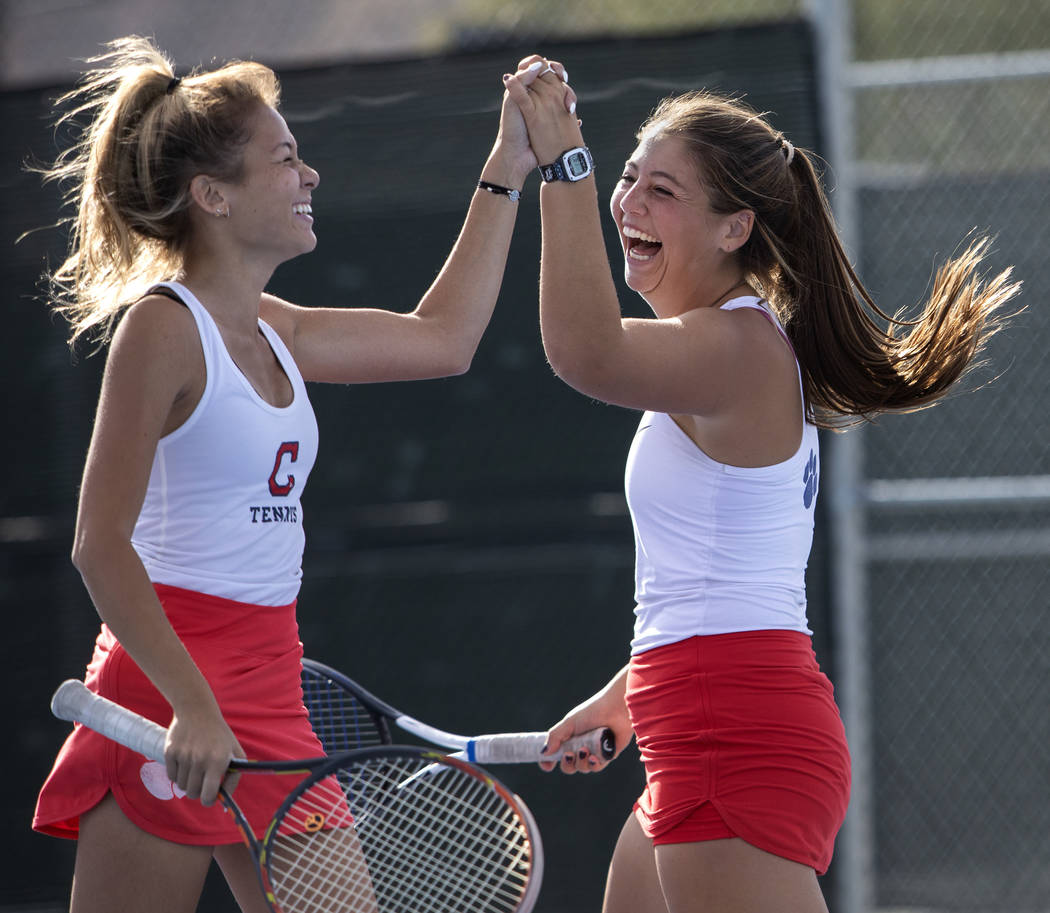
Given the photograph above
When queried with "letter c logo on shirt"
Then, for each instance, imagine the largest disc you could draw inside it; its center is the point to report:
(288, 449)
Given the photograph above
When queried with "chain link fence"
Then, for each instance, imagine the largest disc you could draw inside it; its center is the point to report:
(951, 137)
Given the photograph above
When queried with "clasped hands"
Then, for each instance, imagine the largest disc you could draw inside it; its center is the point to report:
(540, 89)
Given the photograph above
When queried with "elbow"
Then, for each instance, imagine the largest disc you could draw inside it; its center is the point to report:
(582, 372)
(78, 555)
(459, 364)
(83, 553)
(455, 358)
(91, 553)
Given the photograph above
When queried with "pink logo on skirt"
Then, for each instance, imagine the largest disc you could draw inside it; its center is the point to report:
(155, 778)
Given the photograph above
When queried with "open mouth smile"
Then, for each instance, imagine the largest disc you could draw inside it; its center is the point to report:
(640, 246)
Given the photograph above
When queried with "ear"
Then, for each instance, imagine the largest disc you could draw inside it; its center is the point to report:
(207, 194)
(738, 227)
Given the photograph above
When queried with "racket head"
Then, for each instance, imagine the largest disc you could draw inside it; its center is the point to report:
(344, 716)
(398, 828)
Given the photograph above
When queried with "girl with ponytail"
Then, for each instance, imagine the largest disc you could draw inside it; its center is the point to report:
(188, 192)
(761, 333)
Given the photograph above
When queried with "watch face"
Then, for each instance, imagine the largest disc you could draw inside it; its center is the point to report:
(576, 164)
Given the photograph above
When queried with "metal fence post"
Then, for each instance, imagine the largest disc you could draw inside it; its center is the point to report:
(854, 859)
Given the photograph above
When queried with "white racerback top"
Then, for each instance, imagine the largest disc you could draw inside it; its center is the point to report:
(222, 513)
(718, 548)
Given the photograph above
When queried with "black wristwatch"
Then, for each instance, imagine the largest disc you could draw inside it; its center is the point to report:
(573, 165)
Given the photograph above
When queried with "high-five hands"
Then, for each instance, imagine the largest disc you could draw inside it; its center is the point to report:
(541, 91)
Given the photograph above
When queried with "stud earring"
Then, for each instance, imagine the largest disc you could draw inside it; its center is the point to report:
(223, 213)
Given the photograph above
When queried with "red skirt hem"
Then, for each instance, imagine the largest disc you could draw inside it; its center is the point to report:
(251, 656)
(740, 729)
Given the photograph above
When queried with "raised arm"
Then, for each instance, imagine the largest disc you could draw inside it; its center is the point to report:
(440, 336)
(690, 357)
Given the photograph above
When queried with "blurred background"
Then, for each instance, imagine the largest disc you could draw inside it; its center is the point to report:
(469, 552)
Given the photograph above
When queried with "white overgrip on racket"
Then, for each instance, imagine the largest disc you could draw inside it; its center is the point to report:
(526, 747)
(75, 703)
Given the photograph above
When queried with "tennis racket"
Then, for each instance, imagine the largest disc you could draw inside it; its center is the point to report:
(385, 829)
(346, 716)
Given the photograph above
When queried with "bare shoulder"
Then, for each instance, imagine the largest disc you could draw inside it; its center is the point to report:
(749, 337)
(283, 316)
(156, 317)
(276, 311)
(158, 335)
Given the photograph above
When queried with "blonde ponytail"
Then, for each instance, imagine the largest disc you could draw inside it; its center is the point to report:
(127, 175)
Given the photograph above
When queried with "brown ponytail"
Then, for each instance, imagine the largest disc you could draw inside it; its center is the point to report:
(857, 360)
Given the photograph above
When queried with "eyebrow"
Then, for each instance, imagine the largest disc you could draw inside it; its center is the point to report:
(666, 175)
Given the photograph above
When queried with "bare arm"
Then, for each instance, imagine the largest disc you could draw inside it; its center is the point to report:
(153, 364)
(697, 360)
(440, 336)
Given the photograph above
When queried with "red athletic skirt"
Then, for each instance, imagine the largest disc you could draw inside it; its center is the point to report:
(251, 656)
(740, 737)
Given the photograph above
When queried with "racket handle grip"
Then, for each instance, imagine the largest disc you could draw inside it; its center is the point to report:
(73, 701)
(527, 747)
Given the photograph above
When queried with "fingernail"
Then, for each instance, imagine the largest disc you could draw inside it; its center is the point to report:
(583, 753)
(564, 75)
(572, 108)
(543, 750)
(506, 76)
(533, 67)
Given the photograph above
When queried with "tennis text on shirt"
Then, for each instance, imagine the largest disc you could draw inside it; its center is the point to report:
(223, 512)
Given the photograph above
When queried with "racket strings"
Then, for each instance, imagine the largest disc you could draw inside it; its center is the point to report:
(426, 836)
(461, 830)
(457, 858)
(338, 718)
(322, 868)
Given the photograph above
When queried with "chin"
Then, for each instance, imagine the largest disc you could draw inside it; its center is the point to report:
(637, 283)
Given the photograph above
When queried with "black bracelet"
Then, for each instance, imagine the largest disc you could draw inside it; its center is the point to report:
(514, 195)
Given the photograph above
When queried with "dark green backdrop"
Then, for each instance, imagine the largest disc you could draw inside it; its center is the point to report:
(469, 554)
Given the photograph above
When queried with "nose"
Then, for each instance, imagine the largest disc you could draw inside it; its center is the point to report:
(630, 199)
(309, 177)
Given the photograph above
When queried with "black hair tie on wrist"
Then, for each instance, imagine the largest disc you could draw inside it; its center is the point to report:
(514, 195)
(173, 85)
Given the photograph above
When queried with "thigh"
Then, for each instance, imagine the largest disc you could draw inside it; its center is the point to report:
(304, 862)
(732, 876)
(242, 876)
(632, 885)
(121, 867)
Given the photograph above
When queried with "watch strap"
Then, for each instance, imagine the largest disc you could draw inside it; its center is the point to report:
(556, 171)
(553, 172)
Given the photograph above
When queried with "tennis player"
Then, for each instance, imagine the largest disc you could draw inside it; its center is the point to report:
(189, 534)
(761, 333)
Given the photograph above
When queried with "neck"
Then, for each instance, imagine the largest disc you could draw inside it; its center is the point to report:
(731, 292)
(227, 282)
(231, 300)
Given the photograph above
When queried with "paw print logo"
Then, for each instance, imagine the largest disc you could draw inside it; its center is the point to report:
(811, 478)
(312, 823)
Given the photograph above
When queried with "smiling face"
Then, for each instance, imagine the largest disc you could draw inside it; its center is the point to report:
(270, 205)
(677, 251)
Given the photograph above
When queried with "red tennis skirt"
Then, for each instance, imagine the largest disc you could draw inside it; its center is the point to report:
(740, 737)
(251, 656)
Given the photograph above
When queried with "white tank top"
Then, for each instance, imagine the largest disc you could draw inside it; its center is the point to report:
(718, 548)
(222, 513)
